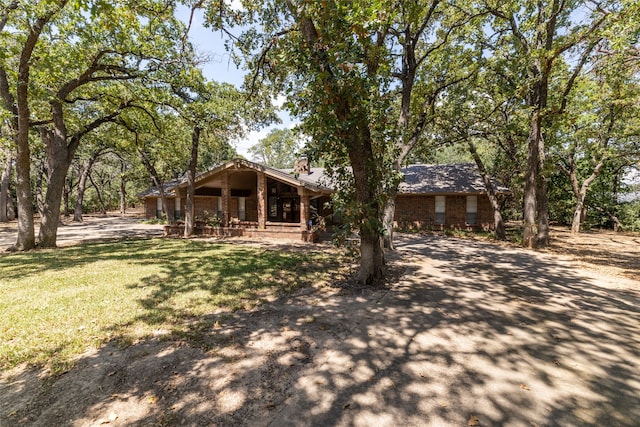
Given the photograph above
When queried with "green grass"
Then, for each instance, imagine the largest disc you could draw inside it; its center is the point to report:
(56, 304)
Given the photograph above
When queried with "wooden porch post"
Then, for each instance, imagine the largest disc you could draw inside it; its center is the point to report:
(226, 193)
(262, 200)
(304, 208)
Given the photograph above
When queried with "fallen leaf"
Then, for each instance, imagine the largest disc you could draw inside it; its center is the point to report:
(113, 416)
(346, 406)
(556, 362)
(524, 387)
(473, 421)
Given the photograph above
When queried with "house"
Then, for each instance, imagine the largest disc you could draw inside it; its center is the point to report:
(248, 199)
(245, 198)
(444, 196)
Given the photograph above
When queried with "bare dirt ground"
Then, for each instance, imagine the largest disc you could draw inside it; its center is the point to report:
(466, 333)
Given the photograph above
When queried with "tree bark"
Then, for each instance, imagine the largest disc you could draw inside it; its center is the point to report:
(191, 178)
(41, 171)
(355, 133)
(388, 215)
(22, 122)
(491, 193)
(103, 209)
(542, 238)
(5, 194)
(529, 238)
(82, 185)
(155, 177)
(362, 163)
(59, 159)
(123, 187)
(66, 192)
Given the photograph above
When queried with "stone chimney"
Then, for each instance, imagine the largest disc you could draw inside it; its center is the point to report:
(302, 166)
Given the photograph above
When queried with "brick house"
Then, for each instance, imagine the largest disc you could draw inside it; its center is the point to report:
(254, 200)
(444, 196)
(249, 199)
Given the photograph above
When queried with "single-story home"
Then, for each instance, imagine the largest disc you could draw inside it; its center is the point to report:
(246, 198)
(445, 196)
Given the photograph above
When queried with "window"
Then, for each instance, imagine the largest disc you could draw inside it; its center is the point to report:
(219, 213)
(242, 215)
(158, 207)
(178, 211)
(273, 207)
(440, 209)
(472, 210)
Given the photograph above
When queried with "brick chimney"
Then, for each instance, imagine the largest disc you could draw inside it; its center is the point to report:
(302, 166)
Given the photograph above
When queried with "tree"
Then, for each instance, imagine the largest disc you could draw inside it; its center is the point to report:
(215, 109)
(364, 78)
(543, 37)
(16, 102)
(603, 126)
(85, 165)
(278, 149)
(108, 44)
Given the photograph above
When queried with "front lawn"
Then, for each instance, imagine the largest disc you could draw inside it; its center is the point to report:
(56, 304)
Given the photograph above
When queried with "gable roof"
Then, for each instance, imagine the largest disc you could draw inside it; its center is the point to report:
(458, 178)
(311, 181)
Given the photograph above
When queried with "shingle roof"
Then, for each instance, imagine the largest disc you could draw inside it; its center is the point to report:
(169, 189)
(418, 179)
(460, 178)
(316, 176)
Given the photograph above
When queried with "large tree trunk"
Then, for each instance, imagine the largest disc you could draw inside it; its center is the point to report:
(26, 229)
(26, 239)
(542, 239)
(529, 238)
(491, 193)
(191, 177)
(41, 171)
(362, 163)
(5, 195)
(59, 159)
(66, 195)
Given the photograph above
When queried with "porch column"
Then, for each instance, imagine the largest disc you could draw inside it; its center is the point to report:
(262, 200)
(304, 208)
(226, 194)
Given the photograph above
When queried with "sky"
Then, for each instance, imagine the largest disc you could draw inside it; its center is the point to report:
(221, 68)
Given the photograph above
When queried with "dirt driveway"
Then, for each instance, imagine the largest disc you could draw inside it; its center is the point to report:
(471, 334)
(93, 228)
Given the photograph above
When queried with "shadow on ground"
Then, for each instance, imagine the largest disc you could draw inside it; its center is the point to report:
(472, 334)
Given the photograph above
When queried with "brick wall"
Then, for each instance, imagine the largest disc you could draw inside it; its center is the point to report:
(418, 212)
(205, 203)
(149, 207)
(251, 208)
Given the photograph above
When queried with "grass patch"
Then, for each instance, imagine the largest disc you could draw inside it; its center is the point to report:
(56, 304)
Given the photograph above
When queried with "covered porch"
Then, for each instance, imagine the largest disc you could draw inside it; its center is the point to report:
(243, 198)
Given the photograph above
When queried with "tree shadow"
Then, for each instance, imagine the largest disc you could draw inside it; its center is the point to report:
(472, 329)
